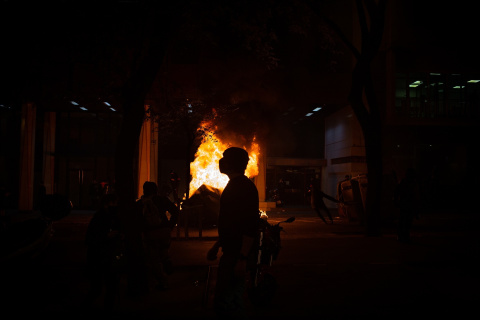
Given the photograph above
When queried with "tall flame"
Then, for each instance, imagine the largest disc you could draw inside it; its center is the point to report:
(204, 169)
(252, 167)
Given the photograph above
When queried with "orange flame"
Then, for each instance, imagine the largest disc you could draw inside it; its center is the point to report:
(204, 169)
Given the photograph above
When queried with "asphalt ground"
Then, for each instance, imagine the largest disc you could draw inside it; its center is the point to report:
(323, 271)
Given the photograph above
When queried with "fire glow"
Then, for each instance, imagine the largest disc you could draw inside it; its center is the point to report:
(204, 169)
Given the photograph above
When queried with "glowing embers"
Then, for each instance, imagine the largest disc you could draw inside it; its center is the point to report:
(204, 169)
(263, 214)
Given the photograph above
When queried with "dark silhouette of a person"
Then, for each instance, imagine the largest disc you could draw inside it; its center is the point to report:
(157, 231)
(95, 193)
(237, 227)
(339, 187)
(316, 200)
(174, 181)
(104, 249)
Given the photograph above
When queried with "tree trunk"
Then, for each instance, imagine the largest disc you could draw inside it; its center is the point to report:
(370, 122)
(373, 151)
(134, 95)
(369, 115)
(126, 189)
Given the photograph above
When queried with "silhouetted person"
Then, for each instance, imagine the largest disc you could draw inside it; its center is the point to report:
(341, 197)
(407, 200)
(104, 251)
(174, 181)
(316, 200)
(339, 188)
(95, 192)
(281, 192)
(109, 188)
(237, 227)
(157, 231)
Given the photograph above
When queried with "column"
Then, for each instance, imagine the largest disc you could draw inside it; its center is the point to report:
(153, 151)
(262, 171)
(27, 157)
(48, 172)
(260, 180)
(147, 153)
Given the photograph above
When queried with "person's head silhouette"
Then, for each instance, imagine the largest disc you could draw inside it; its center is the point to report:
(234, 160)
(150, 188)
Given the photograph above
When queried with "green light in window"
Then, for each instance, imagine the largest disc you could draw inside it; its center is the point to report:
(458, 87)
(415, 84)
(473, 81)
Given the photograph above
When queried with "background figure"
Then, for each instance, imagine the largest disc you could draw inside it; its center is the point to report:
(342, 209)
(104, 242)
(174, 182)
(110, 186)
(339, 188)
(157, 231)
(316, 200)
(95, 192)
(237, 228)
(280, 201)
(407, 200)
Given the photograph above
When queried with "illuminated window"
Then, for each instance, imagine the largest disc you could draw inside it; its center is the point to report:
(436, 95)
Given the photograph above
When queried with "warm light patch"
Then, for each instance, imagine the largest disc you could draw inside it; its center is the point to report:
(204, 169)
(263, 215)
(252, 167)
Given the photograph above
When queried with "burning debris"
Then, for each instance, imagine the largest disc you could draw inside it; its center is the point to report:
(207, 182)
(204, 169)
(206, 199)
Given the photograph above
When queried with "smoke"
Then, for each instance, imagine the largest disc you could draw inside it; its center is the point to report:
(243, 125)
(261, 123)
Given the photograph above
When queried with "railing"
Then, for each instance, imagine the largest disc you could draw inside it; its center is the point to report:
(190, 215)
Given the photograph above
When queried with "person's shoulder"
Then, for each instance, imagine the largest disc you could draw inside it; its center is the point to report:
(161, 201)
(159, 198)
(245, 179)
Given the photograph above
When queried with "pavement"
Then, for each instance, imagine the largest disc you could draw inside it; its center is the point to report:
(328, 271)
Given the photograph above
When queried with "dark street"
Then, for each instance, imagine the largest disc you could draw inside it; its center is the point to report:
(328, 271)
(138, 110)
